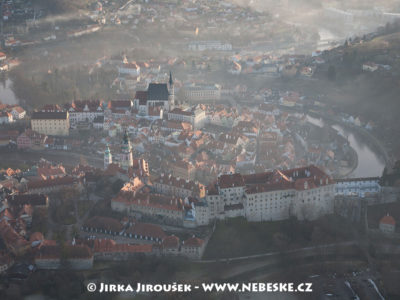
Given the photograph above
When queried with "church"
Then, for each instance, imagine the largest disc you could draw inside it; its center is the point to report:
(124, 159)
(158, 98)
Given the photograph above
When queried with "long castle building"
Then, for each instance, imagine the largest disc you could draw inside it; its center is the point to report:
(305, 193)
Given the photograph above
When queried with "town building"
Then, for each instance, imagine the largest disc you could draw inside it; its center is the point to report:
(146, 231)
(193, 248)
(6, 117)
(210, 46)
(183, 169)
(360, 187)
(31, 140)
(129, 68)
(170, 245)
(387, 224)
(52, 185)
(138, 203)
(84, 111)
(202, 93)
(18, 112)
(36, 200)
(179, 187)
(370, 67)
(5, 263)
(195, 116)
(107, 249)
(103, 225)
(50, 123)
(77, 257)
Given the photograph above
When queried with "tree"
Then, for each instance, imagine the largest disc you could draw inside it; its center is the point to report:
(331, 73)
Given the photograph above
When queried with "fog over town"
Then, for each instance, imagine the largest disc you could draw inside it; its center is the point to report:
(200, 149)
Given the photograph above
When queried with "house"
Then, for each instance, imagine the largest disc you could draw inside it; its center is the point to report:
(370, 67)
(146, 231)
(98, 122)
(5, 263)
(170, 245)
(18, 113)
(77, 257)
(103, 225)
(31, 140)
(37, 200)
(107, 249)
(183, 169)
(193, 248)
(52, 185)
(174, 186)
(14, 242)
(6, 117)
(167, 209)
(131, 68)
(387, 224)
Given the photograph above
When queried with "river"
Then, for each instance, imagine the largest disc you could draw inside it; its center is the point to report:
(370, 164)
(6, 93)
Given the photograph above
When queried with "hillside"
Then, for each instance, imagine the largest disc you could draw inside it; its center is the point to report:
(64, 6)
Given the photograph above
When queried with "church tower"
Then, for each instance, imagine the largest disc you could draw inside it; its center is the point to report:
(126, 158)
(107, 158)
(171, 90)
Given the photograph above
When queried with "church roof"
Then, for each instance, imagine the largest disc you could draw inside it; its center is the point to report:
(157, 91)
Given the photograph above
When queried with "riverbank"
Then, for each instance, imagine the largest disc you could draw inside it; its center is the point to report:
(369, 148)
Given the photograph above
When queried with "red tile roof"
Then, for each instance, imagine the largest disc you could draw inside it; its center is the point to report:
(147, 229)
(35, 184)
(110, 246)
(55, 252)
(104, 223)
(231, 180)
(149, 200)
(170, 242)
(193, 242)
(388, 220)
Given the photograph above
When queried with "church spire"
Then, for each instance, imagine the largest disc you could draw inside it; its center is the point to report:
(171, 91)
(171, 82)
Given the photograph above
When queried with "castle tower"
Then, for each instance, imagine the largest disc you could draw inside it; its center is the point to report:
(171, 91)
(126, 158)
(107, 158)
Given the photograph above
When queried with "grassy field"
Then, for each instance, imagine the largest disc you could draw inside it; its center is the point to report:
(237, 237)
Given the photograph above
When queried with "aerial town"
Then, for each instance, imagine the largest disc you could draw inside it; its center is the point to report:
(212, 139)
